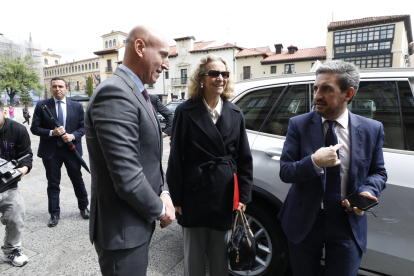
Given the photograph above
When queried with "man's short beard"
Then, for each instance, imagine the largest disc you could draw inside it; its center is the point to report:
(331, 112)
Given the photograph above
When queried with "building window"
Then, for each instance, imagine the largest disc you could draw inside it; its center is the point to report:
(289, 68)
(365, 34)
(56, 62)
(124, 41)
(46, 61)
(167, 75)
(291, 50)
(151, 85)
(374, 61)
(82, 67)
(246, 72)
(96, 65)
(89, 66)
(66, 70)
(106, 44)
(272, 69)
(110, 43)
(79, 68)
(114, 42)
(72, 69)
(93, 65)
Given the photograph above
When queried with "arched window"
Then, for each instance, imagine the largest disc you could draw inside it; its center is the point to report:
(82, 67)
(93, 65)
(46, 61)
(110, 43)
(79, 68)
(97, 65)
(72, 69)
(114, 42)
(89, 66)
(106, 44)
(56, 62)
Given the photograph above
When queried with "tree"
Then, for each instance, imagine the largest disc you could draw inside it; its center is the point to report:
(18, 75)
(25, 97)
(89, 84)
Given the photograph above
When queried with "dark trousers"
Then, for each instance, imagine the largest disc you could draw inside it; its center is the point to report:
(26, 119)
(342, 252)
(124, 262)
(53, 167)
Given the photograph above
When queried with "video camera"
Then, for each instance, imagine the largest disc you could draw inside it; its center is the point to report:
(8, 174)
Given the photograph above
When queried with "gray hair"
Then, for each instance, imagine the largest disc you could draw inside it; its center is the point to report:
(348, 74)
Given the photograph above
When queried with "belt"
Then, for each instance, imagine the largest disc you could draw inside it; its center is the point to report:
(212, 164)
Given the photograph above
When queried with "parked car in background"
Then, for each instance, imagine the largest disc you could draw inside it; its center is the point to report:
(172, 106)
(385, 95)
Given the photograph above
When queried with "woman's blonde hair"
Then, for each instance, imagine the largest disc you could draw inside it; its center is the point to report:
(194, 87)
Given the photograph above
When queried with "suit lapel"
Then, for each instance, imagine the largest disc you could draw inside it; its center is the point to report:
(316, 134)
(69, 112)
(356, 145)
(122, 74)
(201, 117)
(227, 119)
(51, 105)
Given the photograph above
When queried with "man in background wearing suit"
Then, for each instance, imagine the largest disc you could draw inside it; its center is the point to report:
(165, 112)
(329, 154)
(129, 191)
(52, 148)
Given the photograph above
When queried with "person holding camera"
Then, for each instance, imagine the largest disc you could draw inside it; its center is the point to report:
(15, 143)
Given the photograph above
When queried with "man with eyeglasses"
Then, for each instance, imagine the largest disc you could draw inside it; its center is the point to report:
(329, 154)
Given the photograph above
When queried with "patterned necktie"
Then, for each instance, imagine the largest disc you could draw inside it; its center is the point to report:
(332, 197)
(147, 98)
(60, 121)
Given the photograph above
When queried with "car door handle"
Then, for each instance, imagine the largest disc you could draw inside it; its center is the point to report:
(275, 153)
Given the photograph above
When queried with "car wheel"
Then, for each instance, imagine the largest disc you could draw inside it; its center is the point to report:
(272, 255)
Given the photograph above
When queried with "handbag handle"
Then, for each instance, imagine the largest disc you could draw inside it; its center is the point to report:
(244, 222)
(235, 224)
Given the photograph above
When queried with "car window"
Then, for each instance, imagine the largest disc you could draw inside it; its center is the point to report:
(257, 105)
(407, 111)
(378, 100)
(295, 103)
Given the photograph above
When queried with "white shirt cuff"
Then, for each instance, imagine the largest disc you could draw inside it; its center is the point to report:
(50, 133)
(318, 170)
(163, 210)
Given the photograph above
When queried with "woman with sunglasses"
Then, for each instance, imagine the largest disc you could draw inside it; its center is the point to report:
(208, 146)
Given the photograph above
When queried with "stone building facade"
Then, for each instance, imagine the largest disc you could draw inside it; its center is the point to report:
(75, 73)
(49, 58)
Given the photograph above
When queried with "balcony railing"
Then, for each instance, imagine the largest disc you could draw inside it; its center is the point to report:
(178, 81)
(108, 69)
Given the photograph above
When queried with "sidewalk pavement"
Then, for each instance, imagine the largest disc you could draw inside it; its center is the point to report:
(66, 249)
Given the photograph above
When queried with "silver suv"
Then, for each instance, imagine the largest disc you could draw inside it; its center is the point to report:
(385, 95)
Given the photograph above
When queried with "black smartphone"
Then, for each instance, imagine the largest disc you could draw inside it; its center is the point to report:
(361, 202)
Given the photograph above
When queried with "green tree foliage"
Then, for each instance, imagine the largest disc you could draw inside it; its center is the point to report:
(25, 97)
(89, 84)
(18, 75)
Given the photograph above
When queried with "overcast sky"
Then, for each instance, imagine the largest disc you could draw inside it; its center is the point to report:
(73, 29)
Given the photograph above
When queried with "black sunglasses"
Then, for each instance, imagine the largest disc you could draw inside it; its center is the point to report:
(215, 74)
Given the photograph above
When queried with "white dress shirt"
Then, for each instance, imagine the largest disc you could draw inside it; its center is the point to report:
(216, 112)
(342, 132)
(63, 105)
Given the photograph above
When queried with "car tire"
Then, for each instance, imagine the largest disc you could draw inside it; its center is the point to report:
(272, 256)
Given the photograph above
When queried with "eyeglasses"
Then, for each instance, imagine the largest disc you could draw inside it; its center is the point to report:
(215, 74)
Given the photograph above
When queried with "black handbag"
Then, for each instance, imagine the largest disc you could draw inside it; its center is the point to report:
(242, 246)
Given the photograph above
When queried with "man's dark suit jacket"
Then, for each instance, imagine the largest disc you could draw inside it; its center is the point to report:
(42, 124)
(125, 152)
(164, 111)
(366, 172)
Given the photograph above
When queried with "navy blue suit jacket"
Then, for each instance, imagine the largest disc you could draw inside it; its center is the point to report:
(366, 172)
(42, 124)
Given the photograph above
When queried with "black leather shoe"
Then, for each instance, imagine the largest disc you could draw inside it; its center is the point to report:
(85, 213)
(53, 221)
